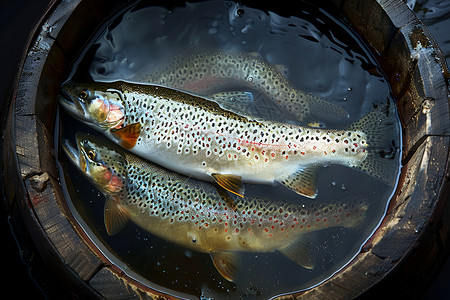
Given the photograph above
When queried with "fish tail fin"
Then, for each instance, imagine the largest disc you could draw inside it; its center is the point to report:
(379, 125)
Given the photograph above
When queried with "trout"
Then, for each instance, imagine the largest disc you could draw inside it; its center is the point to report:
(209, 72)
(196, 137)
(196, 215)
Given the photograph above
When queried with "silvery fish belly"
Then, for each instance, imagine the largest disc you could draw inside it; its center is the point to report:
(209, 72)
(196, 215)
(198, 138)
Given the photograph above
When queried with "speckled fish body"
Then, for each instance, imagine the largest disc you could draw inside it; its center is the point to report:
(196, 137)
(209, 72)
(194, 213)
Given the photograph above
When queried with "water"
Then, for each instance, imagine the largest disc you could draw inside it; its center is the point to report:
(435, 15)
(317, 54)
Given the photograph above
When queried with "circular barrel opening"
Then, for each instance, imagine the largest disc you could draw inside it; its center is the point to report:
(415, 217)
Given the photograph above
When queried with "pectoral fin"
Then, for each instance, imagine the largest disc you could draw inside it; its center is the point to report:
(225, 263)
(231, 183)
(303, 182)
(128, 135)
(300, 251)
(116, 216)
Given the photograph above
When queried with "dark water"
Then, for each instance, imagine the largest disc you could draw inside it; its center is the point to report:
(318, 54)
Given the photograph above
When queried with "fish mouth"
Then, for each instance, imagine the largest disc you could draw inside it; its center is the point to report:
(72, 103)
(71, 152)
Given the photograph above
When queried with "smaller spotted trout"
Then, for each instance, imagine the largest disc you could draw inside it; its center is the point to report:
(196, 215)
(197, 137)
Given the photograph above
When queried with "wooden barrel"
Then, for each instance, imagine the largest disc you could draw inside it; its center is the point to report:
(401, 257)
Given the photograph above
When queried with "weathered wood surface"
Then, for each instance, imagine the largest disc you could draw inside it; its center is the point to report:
(112, 285)
(29, 155)
(408, 220)
(418, 214)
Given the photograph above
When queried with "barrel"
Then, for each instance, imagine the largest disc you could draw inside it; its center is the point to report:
(402, 256)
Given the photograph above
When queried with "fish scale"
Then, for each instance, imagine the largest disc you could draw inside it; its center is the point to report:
(197, 215)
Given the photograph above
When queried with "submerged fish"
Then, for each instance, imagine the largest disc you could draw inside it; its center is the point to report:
(196, 215)
(197, 137)
(209, 72)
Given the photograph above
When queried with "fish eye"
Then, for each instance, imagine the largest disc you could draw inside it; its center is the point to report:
(84, 95)
(92, 154)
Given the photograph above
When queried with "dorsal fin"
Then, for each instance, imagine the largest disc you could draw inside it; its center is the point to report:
(128, 135)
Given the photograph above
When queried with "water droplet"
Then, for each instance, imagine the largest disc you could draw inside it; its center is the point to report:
(188, 253)
(349, 89)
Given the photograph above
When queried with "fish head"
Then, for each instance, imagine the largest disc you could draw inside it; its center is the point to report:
(97, 104)
(102, 162)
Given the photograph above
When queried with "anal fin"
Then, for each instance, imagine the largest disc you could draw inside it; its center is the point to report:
(115, 216)
(303, 181)
(231, 183)
(300, 251)
(225, 263)
(128, 135)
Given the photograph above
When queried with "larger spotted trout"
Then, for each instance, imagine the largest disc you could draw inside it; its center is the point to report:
(198, 216)
(197, 137)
